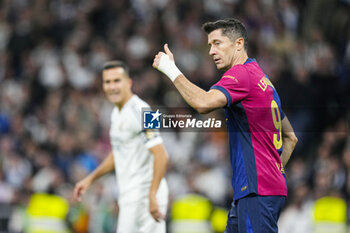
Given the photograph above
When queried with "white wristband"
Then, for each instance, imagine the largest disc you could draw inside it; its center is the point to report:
(168, 67)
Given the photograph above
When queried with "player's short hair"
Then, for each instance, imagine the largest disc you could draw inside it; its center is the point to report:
(232, 28)
(115, 64)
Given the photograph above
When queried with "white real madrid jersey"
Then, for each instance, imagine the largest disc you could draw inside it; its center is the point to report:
(133, 161)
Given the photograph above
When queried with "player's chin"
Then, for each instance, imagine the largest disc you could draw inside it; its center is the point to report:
(220, 67)
(114, 100)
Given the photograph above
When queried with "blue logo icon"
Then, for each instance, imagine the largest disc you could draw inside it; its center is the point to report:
(151, 120)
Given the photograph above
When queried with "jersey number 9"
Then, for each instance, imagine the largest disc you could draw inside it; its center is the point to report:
(276, 117)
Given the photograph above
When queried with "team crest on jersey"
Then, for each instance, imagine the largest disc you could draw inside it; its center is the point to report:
(151, 120)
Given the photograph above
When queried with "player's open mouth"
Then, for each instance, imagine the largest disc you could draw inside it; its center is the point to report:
(113, 94)
(217, 60)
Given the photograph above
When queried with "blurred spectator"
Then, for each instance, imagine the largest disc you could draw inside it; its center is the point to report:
(297, 217)
(47, 213)
(191, 213)
(329, 215)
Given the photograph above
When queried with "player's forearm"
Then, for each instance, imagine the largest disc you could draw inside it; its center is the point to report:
(159, 167)
(105, 167)
(289, 140)
(289, 144)
(196, 97)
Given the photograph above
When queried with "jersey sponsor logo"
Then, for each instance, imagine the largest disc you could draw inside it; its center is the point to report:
(151, 120)
(231, 77)
(244, 188)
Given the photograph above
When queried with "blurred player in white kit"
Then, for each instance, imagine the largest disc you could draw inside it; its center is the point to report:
(138, 158)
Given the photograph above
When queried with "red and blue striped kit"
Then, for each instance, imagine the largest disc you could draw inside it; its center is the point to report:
(254, 122)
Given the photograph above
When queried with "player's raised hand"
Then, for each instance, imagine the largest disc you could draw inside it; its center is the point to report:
(157, 60)
(80, 188)
(154, 209)
(168, 52)
(165, 63)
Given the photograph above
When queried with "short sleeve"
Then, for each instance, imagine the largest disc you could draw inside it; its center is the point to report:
(234, 84)
(152, 138)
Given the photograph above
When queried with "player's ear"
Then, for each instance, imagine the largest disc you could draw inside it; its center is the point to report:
(240, 43)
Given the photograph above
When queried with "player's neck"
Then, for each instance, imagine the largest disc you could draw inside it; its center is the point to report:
(240, 59)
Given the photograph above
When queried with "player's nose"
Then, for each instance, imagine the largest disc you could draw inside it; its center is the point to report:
(212, 51)
(112, 86)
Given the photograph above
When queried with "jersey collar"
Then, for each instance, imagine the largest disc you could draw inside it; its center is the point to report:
(249, 60)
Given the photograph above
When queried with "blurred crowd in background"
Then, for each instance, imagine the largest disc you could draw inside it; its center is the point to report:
(54, 119)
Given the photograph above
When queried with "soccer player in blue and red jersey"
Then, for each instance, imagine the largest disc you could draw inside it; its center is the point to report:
(261, 138)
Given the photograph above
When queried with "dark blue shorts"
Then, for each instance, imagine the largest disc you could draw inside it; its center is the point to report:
(255, 214)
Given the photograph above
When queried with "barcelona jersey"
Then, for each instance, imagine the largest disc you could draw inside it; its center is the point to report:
(254, 122)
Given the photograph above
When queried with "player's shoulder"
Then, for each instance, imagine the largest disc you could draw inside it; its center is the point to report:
(238, 71)
(237, 75)
(139, 103)
(114, 112)
(137, 106)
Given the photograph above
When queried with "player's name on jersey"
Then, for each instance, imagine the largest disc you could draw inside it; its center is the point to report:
(191, 123)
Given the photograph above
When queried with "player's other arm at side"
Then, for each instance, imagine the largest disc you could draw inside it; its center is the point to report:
(289, 140)
(202, 101)
(159, 169)
(105, 167)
